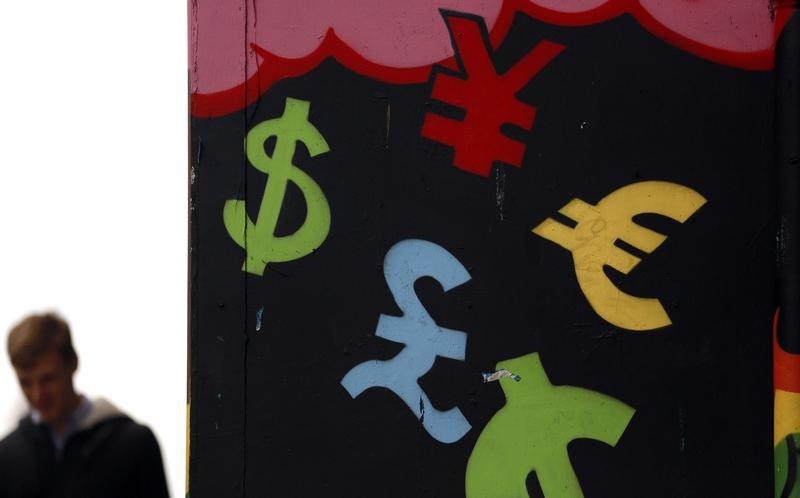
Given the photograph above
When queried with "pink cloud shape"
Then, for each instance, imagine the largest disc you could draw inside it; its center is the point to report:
(741, 26)
(736, 25)
(391, 33)
(238, 49)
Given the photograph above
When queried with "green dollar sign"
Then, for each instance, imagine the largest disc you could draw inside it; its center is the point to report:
(531, 433)
(258, 239)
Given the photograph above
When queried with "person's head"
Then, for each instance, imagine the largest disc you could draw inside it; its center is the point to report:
(41, 352)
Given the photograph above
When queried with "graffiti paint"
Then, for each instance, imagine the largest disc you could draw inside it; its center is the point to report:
(787, 418)
(787, 467)
(531, 432)
(258, 238)
(423, 340)
(241, 58)
(488, 99)
(377, 365)
(786, 374)
(786, 323)
(592, 240)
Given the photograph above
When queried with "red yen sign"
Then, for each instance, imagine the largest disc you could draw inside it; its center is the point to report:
(488, 99)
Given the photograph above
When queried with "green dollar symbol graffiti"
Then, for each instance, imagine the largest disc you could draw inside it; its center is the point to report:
(531, 433)
(258, 239)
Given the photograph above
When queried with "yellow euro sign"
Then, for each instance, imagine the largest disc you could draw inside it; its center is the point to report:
(592, 245)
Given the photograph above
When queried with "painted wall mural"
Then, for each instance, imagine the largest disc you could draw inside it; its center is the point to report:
(597, 229)
(423, 340)
(477, 140)
(532, 431)
(258, 237)
(787, 419)
(239, 49)
(489, 248)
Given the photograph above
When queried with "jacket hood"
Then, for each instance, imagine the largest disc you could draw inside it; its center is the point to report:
(102, 411)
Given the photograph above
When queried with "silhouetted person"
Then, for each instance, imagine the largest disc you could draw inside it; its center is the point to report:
(69, 446)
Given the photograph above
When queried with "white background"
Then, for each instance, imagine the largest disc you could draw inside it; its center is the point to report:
(93, 197)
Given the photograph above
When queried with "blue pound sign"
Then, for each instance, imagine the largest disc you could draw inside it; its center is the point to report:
(405, 263)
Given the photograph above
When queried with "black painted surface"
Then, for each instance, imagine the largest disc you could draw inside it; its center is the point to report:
(787, 129)
(269, 417)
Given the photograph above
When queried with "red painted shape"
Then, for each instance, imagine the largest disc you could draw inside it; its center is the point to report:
(786, 366)
(488, 99)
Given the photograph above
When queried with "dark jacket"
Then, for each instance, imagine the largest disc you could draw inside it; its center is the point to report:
(109, 456)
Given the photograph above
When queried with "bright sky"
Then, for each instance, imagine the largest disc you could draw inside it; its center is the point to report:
(93, 196)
